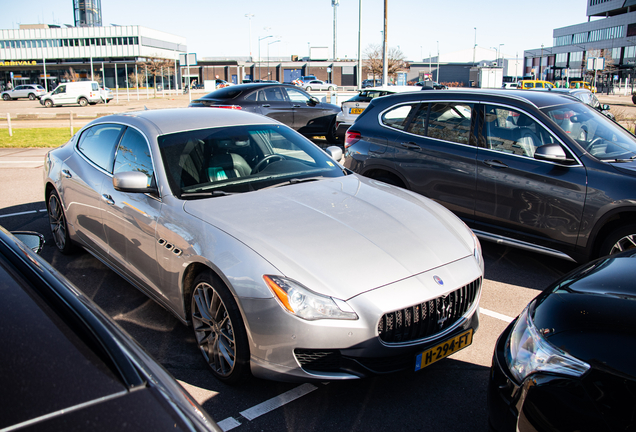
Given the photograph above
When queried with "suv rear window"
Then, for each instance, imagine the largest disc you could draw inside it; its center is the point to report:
(224, 93)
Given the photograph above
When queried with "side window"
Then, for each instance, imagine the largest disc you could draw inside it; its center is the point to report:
(251, 96)
(418, 124)
(60, 89)
(95, 86)
(272, 94)
(450, 121)
(133, 155)
(397, 116)
(98, 144)
(296, 96)
(527, 85)
(513, 132)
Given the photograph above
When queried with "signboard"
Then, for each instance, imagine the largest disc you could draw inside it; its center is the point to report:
(188, 59)
(596, 63)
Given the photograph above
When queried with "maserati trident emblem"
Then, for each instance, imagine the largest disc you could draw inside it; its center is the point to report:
(438, 280)
(443, 311)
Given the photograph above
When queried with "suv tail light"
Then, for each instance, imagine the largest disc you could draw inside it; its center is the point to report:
(351, 137)
(236, 107)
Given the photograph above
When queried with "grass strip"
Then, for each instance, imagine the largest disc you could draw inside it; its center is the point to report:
(34, 137)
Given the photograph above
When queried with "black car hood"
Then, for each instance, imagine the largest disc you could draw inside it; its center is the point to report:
(591, 314)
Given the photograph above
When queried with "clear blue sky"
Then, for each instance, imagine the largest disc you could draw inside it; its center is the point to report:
(220, 29)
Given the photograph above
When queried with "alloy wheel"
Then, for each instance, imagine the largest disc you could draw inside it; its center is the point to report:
(57, 222)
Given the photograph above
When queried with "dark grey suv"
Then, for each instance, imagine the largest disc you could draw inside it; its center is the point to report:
(535, 170)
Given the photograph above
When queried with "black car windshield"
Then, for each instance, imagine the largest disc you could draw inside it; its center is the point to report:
(594, 132)
(240, 159)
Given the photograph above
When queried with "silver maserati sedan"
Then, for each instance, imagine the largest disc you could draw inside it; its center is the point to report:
(287, 265)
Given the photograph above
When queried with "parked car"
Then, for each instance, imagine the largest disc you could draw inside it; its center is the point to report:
(371, 83)
(106, 94)
(509, 85)
(583, 84)
(431, 85)
(534, 84)
(567, 362)
(82, 93)
(352, 108)
(319, 85)
(587, 97)
(286, 103)
(31, 91)
(95, 376)
(240, 226)
(303, 79)
(532, 169)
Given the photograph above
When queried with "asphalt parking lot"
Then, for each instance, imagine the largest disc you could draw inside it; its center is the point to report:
(449, 395)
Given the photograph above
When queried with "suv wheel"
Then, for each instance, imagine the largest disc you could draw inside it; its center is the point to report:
(31, 96)
(619, 240)
(6, 97)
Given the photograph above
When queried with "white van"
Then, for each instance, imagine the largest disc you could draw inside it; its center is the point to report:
(82, 93)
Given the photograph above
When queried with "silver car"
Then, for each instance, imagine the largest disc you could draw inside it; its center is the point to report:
(318, 85)
(30, 91)
(287, 265)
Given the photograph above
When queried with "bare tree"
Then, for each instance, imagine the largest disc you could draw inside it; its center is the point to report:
(395, 62)
(71, 75)
(156, 67)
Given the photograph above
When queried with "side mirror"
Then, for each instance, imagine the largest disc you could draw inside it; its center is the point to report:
(335, 152)
(605, 107)
(32, 240)
(132, 181)
(553, 153)
(313, 101)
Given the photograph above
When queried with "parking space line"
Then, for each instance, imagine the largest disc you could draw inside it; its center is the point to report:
(23, 213)
(267, 406)
(497, 315)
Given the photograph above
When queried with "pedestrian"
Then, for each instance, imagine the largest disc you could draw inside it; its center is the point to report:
(9, 85)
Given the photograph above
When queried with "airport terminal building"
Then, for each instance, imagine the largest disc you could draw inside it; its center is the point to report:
(44, 54)
(610, 32)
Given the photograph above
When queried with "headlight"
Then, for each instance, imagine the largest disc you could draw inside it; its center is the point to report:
(528, 352)
(306, 304)
(477, 250)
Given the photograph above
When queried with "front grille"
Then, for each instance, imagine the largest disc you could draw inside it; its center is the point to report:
(428, 318)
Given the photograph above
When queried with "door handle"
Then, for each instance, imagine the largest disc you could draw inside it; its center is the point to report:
(495, 164)
(266, 105)
(295, 106)
(66, 174)
(108, 199)
(410, 145)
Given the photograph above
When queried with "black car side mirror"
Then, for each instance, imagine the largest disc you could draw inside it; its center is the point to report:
(32, 240)
(313, 101)
(605, 107)
(552, 152)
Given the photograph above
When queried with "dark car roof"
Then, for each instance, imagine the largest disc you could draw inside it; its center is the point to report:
(240, 89)
(539, 99)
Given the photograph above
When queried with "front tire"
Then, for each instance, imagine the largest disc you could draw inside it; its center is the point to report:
(308, 88)
(57, 222)
(619, 240)
(82, 102)
(219, 329)
(48, 103)
(6, 97)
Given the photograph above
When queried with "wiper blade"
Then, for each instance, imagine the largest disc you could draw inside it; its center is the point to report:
(205, 194)
(294, 181)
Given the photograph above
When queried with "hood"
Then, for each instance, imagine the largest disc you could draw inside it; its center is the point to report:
(591, 313)
(341, 236)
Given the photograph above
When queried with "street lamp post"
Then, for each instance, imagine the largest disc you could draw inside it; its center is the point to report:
(475, 46)
(437, 69)
(249, 17)
(499, 54)
(270, 43)
(259, 54)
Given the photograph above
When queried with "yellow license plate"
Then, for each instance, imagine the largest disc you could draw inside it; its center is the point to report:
(444, 349)
(356, 110)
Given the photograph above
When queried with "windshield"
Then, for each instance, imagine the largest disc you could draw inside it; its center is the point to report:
(235, 159)
(594, 132)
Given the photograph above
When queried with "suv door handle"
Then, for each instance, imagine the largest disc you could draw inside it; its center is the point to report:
(410, 145)
(295, 106)
(266, 105)
(66, 173)
(495, 164)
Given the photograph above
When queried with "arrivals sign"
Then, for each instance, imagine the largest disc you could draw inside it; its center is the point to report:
(18, 63)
